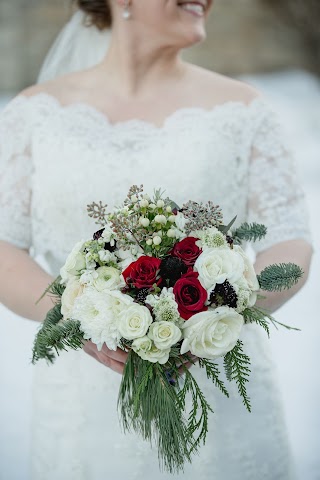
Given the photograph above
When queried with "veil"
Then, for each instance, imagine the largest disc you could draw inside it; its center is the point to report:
(77, 47)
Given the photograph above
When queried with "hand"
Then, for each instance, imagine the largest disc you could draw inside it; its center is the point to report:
(116, 360)
(113, 359)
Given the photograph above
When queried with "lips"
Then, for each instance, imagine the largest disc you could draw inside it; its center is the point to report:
(197, 7)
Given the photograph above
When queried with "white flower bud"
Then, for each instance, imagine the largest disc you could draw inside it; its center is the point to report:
(144, 203)
(172, 218)
(168, 209)
(145, 222)
(156, 240)
(137, 207)
(160, 219)
(134, 198)
(171, 233)
(149, 241)
(160, 203)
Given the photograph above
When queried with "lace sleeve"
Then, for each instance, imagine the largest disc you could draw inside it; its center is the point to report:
(276, 198)
(15, 173)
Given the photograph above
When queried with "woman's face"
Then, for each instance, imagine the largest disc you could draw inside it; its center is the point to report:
(178, 23)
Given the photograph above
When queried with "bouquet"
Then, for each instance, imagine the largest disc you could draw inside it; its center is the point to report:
(165, 284)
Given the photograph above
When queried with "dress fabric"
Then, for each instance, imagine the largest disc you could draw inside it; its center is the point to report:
(56, 159)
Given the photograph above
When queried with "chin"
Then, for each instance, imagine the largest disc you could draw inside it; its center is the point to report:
(192, 37)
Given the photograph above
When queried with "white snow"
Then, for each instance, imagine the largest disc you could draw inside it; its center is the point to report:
(295, 95)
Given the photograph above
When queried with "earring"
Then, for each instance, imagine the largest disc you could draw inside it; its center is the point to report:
(126, 14)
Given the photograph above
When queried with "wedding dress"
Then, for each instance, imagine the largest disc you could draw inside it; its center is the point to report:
(56, 159)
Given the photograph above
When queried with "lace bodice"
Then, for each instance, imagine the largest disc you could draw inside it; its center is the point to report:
(55, 159)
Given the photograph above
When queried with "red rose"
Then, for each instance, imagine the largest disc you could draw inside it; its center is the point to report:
(187, 251)
(190, 295)
(143, 273)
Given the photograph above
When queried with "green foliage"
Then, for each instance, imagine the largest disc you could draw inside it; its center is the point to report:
(259, 316)
(278, 277)
(237, 367)
(55, 288)
(213, 373)
(149, 405)
(54, 336)
(249, 232)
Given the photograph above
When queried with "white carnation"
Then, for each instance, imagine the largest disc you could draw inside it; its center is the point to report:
(108, 278)
(134, 321)
(73, 290)
(213, 333)
(215, 265)
(164, 334)
(75, 262)
(147, 350)
(98, 314)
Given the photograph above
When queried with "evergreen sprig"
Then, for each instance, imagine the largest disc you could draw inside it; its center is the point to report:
(149, 404)
(213, 373)
(249, 232)
(55, 337)
(278, 277)
(259, 316)
(237, 367)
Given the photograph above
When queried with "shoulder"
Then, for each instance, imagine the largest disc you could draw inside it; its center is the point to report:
(64, 89)
(218, 88)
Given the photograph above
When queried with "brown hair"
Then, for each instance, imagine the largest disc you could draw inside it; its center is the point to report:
(98, 12)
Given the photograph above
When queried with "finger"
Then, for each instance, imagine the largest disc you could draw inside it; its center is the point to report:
(118, 355)
(111, 363)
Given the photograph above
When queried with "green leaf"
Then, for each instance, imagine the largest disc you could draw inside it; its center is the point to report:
(237, 368)
(225, 228)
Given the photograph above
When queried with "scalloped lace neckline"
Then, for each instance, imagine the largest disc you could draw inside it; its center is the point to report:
(182, 112)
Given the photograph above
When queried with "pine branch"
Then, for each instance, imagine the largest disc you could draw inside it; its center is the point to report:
(55, 288)
(249, 232)
(54, 336)
(278, 277)
(148, 404)
(213, 373)
(237, 367)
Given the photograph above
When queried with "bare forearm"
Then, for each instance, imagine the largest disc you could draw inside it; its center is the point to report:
(295, 251)
(22, 282)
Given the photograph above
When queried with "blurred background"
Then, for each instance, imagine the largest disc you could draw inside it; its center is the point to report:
(272, 44)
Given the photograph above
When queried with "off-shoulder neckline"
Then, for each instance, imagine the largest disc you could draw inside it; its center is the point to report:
(46, 98)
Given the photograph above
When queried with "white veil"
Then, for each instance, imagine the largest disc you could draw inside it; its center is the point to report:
(77, 47)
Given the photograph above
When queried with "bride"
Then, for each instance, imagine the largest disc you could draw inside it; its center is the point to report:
(136, 113)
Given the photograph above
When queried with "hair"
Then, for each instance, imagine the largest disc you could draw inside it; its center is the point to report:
(98, 12)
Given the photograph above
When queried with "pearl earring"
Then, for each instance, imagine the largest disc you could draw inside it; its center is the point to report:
(126, 14)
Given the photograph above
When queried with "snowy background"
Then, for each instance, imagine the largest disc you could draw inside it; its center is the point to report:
(295, 95)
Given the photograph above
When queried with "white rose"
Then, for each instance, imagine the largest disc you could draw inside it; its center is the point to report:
(108, 278)
(147, 350)
(75, 262)
(164, 334)
(134, 321)
(213, 333)
(73, 290)
(249, 273)
(215, 265)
